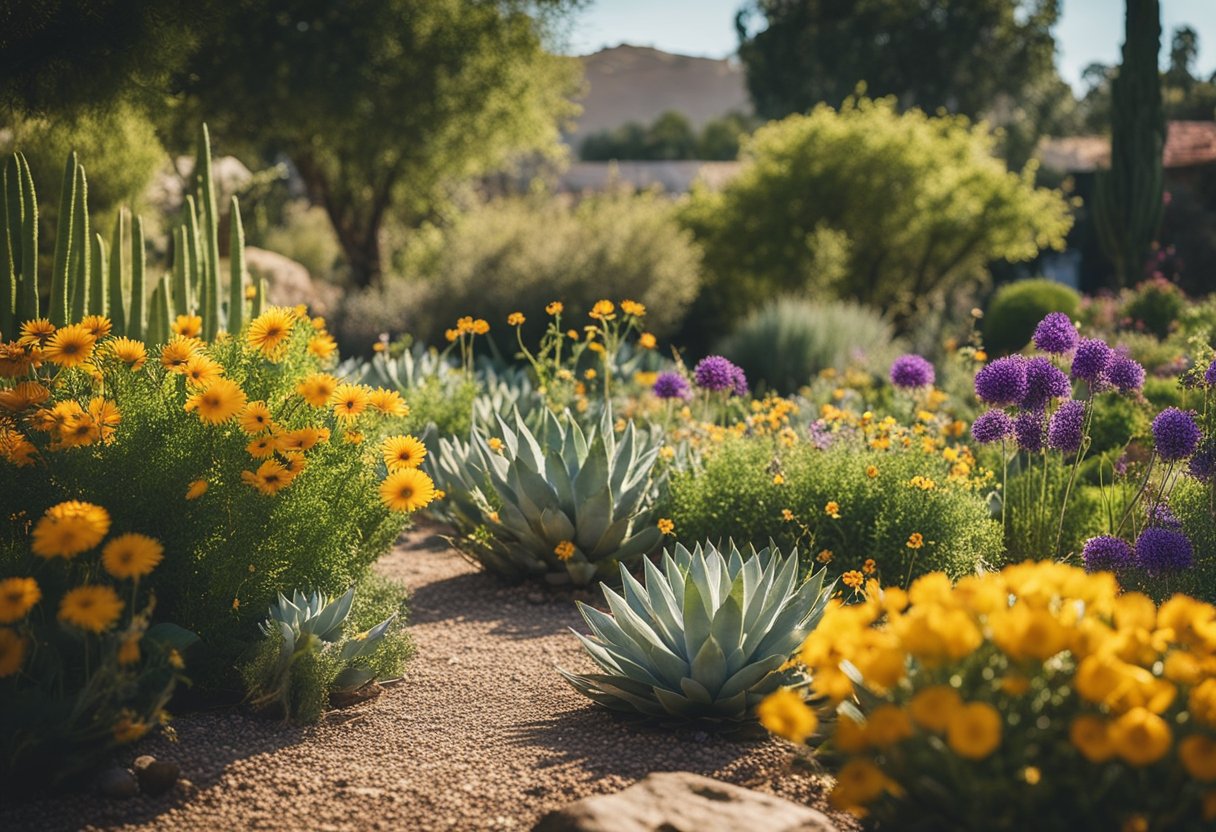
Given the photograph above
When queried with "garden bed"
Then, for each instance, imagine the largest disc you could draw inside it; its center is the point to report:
(481, 734)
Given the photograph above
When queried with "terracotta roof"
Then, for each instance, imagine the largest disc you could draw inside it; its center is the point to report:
(1187, 143)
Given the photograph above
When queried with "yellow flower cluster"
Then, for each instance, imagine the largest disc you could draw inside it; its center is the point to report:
(1108, 677)
(468, 325)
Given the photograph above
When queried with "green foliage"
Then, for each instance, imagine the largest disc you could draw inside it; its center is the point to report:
(1194, 504)
(1115, 421)
(671, 136)
(520, 254)
(1155, 305)
(785, 344)
(383, 105)
(731, 495)
(920, 201)
(1128, 198)
(305, 236)
(707, 636)
(1017, 308)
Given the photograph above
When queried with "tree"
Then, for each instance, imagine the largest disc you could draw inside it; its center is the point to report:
(1128, 198)
(926, 53)
(894, 210)
(382, 104)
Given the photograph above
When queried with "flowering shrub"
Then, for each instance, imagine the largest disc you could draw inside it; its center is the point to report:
(1037, 697)
(82, 671)
(256, 469)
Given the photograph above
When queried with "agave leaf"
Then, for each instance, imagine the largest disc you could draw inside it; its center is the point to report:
(529, 449)
(624, 459)
(696, 617)
(352, 678)
(592, 518)
(696, 692)
(593, 476)
(674, 703)
(709, 666)
(666, 609)
(727, 625)
(556, 525)
(656, 656)
(751, 675)
(643, 541)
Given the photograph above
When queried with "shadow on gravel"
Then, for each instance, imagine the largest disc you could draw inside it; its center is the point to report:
(514, 612)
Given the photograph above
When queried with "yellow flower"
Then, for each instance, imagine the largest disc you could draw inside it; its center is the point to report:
(572, 334)
(786, 715)
(787, 515)
(451, 334)
(270, 478)
(915, 540)
(188, 326)
(130, 352)
(131, 555)
(128, 651)
(91, 608)
(933, 707)
(1023, 632)
(887, 725)
(218, 402)
(604, 310)
(852, 579)
(128, 729)
(496, 444)
(269, 331)
(858, 782)
(12, 652)
(98, 326)
(824, 556)
(322, 345)
(564, 550)
(388, 402)
(974, 730)
(352, 437)
(516, 319)
(175, 353)
(69, 528)
(637, 310)
(980, 355)
(1198, 755)
(869, 566)
(403, 452)
(255, 418)
(36, 333)
(555, 308)
(261, 447)
(23, 396)
(481, 326)
(17, 597)
(666, 526)
(778, 479)
(317, 388)
(200, 370)
(70, 346)
(1140, 737)
(349, 400)
(647, 341)
(196, 489)
(872, 471)
(832, 509)
(300, 439)
(407, 490)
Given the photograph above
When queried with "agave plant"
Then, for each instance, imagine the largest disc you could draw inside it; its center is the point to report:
(706, 637)
(558, 503)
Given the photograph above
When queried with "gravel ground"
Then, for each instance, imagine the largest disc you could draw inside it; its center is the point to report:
(481, 734)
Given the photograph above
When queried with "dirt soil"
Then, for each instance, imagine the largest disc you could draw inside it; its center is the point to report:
(481, 734)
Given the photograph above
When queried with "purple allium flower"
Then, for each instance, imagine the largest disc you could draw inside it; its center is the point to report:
(1066, 428)
(1124, 373)
(671, 385)
(1175, 434)
(1003, 382)
(715, 373)
(1044, 382)
(992, 426)
(1209, 375)
(912, 370)
(1090, 360)
(1028, 430)
(739, 382)
(1106, 553)
(1055, 333)
(1159, 550)
(1161, 515)
(1203, 463)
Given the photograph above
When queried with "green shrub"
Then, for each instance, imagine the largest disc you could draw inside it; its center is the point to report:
(1193, 504)
(1017, 308)
(519, 254)
(785, 344)
(1155, 305)
(306, 236)
(1115, 421)
(921, 201)
(1152, 353)
(732, 495)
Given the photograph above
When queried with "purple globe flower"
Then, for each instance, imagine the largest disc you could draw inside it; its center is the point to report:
(739, 382)
(671, 385)
(1091, 359)
(1203, 463)
(715, 373)
(1124, 374)
(1162, 515)
(1106, 553)
(1175, 434)
(1055, 333)
(911, 370)
(1160, 550)
(992, 426)
(1066, 429)
(1028, 430)
(1003, 382)
(1209, 375)
(1044, 382)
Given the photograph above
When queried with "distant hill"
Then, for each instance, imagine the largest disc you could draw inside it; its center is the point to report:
(637, 83)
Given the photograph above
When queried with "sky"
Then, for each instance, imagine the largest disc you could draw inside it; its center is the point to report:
(1088, 31)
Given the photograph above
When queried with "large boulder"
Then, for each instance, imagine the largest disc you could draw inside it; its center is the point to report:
(679, 801)
(288, 283)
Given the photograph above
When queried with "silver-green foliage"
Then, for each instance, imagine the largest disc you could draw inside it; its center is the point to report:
(706, 636)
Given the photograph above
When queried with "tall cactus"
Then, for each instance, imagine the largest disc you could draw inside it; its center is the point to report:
(1128, 198)
(28, 303)
(236, 262)
(181, 272)
(118, 268)
(99, 290)
(211, 240)
(60, 270)
(137, 321)
(78, 254)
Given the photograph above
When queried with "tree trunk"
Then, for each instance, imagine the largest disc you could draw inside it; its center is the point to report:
(361, 246)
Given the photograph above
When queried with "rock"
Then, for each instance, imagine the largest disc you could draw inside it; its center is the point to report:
(678, 801)
(155, 776)
(117, 783)
(289, 283)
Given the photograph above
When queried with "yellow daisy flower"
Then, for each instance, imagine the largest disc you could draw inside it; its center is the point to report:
(17, 597)
(98, 326)
(218, 402)
(12, 651)
(407, 489)
(188, 326)
(388, 402)
(91, 608)
(196, 489)
(201, 371)
(317, 388)
(255, 418)
(129, 351)
(36, 333)
(131, 555)
(270, 330)
(69, 528)
(322, 345)
(349, 400)
(177, 351)
(70, 346)
(262, 447)
(403, 452)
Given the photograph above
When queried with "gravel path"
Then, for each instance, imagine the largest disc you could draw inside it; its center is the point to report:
(481, 734)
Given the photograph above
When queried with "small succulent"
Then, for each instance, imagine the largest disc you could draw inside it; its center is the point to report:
(707, 637)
